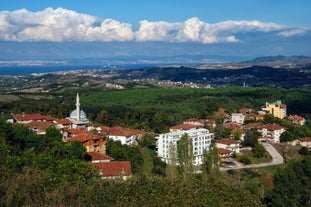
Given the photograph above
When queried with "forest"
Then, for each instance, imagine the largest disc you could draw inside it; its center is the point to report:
(156, 109)
(43, 171)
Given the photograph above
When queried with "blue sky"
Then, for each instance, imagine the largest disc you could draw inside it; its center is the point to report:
(223, 27)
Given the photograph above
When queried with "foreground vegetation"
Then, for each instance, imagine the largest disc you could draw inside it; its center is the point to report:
(43, 171)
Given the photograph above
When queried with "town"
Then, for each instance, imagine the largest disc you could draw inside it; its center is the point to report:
(233, 146)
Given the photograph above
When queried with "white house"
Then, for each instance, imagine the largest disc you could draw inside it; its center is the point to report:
(237, 117)
(305, 142)
(124, 135)
(271, 132)
(229, 144)
(201, 140)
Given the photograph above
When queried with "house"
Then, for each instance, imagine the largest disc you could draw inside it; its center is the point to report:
(124, 135)
(245, 111)
(96, 157)
(114, 170)
(229, 144)
(304, 142)
(39, 127)
(69, 132)
(62, 123)
(201, 122)
(221, 114)
(27, 118)
(167, 144)
(297, 119)
(8, 117)
(237, 117)
(277, 109)
(182, 127)
(93, 142)
(271, 132)
(224, 154)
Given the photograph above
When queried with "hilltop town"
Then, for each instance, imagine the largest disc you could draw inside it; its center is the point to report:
(231, 133)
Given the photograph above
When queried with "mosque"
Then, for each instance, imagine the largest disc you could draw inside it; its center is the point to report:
(78, 116)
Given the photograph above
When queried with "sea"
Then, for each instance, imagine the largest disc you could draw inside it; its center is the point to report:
(36, 69)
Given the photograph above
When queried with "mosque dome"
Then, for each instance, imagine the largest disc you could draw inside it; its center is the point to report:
(73, 115)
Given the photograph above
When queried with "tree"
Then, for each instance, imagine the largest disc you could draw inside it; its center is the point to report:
(148, 140)
(147, 163)
(211, 161)
(292, 184)
(258, 150)
(171, 169)
(185, 155)
(251, 138)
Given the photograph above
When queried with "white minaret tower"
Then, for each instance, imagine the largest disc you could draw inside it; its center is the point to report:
(78, 107)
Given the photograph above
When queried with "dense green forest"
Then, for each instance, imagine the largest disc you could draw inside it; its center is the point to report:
(156, 109)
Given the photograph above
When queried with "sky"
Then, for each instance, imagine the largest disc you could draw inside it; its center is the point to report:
(47, 29)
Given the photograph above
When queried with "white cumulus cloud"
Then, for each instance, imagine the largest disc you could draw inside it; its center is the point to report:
(293, 32)
(66, 25)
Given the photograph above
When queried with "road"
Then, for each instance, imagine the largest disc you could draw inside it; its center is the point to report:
(277, 159)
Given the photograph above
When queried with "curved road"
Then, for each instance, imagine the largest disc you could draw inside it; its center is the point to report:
(277, 159)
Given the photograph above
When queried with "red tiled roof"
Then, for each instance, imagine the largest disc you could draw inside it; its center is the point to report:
(223, 151)
(62, 121)
(184, 126)
(120, 131)
(227, 141)
(99, 156)
(272, 127)
(83, 137)
(39, 125)
(283, 105)
(305, 139)
(76, 131)
(296, 118)
(111, 169)
(49, 118)
(28, 117)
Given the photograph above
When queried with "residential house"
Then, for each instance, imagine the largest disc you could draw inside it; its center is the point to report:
(211, 123)
(297, 119)
(237, 117)
(277, 109)
(124, 135)
(229, 144)
(8, 117)
(96, 157)
(114, 170)
(224, 154)
(182, 127)
(201, 139)
(304, 142)
(27, 118)
(93, 142)
(39, 127)
(271, 132)
(69, 132)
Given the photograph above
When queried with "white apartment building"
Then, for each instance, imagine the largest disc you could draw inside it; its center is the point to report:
(201, 139)
(237, 117)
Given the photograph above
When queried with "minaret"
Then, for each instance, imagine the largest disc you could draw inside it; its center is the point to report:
(78, 107)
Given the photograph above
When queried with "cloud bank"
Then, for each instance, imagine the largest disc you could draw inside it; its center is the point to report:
(62, 25)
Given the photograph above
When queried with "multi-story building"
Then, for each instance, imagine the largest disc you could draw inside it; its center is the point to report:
(277, 109)
(271, 132)
(167, 144)
(237, 117)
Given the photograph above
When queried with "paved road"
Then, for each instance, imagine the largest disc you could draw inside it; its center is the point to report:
(277, 159)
